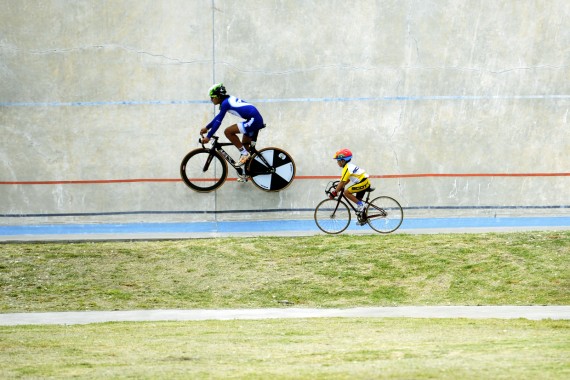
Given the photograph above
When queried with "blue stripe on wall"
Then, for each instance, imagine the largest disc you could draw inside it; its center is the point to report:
(285, 100)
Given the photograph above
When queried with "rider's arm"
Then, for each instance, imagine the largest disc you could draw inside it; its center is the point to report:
(344, 178)
(340, 186)
(215, 124)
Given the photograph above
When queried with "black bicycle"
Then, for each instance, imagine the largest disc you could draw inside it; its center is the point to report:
(384, 214)
(206, 169)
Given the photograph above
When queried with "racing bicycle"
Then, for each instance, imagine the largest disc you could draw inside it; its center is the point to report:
(384, 214)
(206, 169)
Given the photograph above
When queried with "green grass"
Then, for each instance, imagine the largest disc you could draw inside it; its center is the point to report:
(323, 271)
(333, 348)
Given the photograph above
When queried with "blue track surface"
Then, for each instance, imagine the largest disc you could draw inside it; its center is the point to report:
(272, 226)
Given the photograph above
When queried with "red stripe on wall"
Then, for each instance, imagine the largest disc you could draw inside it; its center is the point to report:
(93, 181)
(302, 177)
(422, 175)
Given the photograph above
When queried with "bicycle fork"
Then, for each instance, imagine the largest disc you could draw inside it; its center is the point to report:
(335, 209)
(208, 162)
(211, 157)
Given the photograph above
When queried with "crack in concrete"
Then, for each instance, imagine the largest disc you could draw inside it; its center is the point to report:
(338, 66)
(478, 69)
(107, 46)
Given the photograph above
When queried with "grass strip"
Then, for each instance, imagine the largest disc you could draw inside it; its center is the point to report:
(302, 349)
(529, 268)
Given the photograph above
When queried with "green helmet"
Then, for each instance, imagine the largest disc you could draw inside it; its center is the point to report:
(217, 90)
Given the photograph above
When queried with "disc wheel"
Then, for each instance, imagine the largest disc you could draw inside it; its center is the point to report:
(203, 171)
(332, 216)
(384, 214)
(274, 172)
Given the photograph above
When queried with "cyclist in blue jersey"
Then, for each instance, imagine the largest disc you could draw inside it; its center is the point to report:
(253, 120)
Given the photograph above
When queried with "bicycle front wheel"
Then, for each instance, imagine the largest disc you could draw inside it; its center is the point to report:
(384, 214)
(271, 169)
(203, 170)
(332, 216)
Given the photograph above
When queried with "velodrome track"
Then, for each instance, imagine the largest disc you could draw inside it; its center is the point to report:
(306, 227)
(157, 231)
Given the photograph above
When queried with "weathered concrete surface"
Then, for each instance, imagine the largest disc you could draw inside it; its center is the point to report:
(116, 91)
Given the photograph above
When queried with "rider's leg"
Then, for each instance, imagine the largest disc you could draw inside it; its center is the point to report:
(351, 197)
(231, 133)
(246, 141)
(355, 194)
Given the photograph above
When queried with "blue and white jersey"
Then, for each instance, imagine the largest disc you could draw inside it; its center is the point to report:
(236, 107)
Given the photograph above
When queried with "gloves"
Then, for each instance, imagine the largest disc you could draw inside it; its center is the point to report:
(333, 194)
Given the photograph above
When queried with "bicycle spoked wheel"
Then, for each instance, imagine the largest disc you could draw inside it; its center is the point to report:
(384, 214)
(272, 173)
(332, 216)
(202, 171)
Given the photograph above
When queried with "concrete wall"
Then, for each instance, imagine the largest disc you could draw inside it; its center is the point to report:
(462, 106)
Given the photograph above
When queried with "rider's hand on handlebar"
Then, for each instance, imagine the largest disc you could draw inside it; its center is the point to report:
(204, 140)
(333, 194)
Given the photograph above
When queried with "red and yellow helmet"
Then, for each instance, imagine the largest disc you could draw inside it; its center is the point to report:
(343, 154)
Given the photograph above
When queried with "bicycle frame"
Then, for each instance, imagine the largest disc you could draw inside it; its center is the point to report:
(269, 169)
(382, 213)
(218, 147)
(364, 216)
(341, 196)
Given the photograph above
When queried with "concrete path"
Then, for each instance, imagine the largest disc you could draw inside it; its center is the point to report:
(476, 312)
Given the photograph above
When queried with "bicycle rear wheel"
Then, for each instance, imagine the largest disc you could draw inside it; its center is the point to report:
(203, 170)
(384, 214)
(332, 216)
(272, 173)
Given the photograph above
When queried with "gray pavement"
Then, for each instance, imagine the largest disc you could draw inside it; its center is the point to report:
(475, 312)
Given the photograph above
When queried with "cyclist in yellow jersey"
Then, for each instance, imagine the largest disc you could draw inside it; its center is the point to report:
(354, 179)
